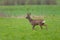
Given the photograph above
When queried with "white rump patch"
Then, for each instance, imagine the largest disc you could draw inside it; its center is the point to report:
(43, 21)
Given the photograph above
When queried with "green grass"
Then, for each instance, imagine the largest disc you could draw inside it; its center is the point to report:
(21, 29)
(34, 9)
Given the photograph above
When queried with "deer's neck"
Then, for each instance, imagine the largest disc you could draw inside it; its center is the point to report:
(30, 19)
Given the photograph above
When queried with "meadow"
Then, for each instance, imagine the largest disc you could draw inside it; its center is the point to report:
(34, 9)
(21, 29)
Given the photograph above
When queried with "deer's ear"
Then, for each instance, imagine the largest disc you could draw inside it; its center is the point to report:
(28, 13)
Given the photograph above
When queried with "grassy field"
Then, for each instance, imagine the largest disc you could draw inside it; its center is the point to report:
(21, 29)
(34, 9)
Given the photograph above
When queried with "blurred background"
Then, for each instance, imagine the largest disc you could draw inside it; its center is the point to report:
(36, 7)
(29, 2)
(14, 25)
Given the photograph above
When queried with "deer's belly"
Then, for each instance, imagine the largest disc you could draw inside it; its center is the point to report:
(38, 22)
(35, 23)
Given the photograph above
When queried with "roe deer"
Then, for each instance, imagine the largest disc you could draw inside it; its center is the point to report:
(40, 22)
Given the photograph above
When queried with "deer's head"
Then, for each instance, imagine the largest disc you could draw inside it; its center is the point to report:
(28, 15)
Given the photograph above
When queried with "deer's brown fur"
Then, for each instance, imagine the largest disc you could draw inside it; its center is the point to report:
(36, 22)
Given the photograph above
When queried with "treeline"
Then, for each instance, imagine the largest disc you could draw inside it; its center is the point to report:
(27, 2)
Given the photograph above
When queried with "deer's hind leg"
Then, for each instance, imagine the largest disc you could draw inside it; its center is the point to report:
(33, 27)
(41, 26)
(45, 26)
